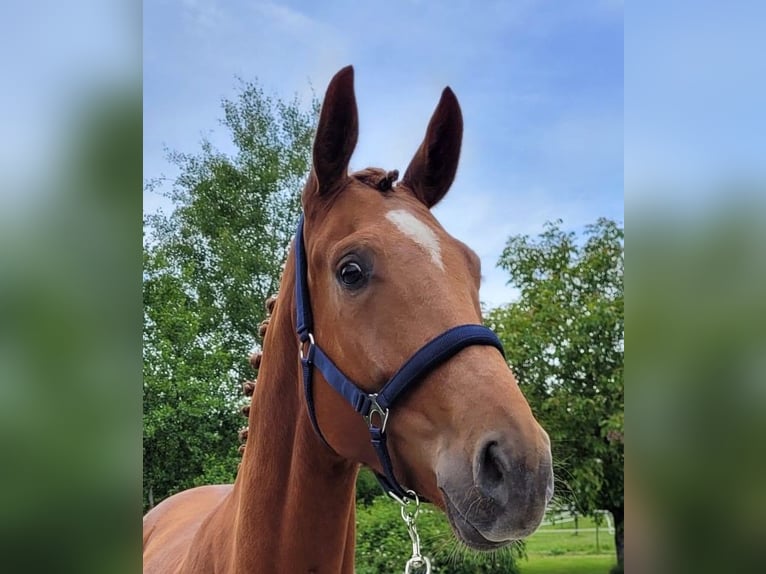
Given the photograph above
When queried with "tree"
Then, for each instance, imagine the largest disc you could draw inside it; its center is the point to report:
(208, 267)
(564, 339)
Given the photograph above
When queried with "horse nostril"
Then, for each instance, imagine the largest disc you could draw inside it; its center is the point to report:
(490, 471)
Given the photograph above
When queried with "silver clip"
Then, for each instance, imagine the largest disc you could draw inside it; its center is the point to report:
(417, 561)
(376, 408)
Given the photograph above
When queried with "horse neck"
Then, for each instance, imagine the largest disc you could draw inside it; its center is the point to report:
(294, 498)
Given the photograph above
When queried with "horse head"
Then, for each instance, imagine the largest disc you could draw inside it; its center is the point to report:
(385, 278)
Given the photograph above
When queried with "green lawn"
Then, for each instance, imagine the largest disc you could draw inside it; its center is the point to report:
(567, 564)
(556, 549)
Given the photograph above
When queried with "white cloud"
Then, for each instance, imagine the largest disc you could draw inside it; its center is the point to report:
(288, 19)
(202, 15)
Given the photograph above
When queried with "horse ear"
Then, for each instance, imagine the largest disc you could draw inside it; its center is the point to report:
(433, 167)
(336, 134)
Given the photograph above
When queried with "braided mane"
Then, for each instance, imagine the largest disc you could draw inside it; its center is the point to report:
(248, 387)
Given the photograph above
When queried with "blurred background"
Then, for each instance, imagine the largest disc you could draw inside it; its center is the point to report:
(70, 280)
(695, 192)
(70, 285)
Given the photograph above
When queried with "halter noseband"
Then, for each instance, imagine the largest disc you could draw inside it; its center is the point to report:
(374, 407)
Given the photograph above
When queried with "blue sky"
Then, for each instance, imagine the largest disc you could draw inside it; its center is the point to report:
(540, 85)
(695, 86)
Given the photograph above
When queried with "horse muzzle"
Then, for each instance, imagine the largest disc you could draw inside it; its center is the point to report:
(500, 494)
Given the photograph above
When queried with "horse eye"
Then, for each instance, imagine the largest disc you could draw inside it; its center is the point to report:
(351, 275)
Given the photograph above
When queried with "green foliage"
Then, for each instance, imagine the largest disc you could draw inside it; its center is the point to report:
(383, 545)
(208, 267)
(564, 339)
(367, 487)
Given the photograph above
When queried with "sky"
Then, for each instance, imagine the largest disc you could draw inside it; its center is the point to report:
(52, 66)
(540, 85)
(695, 84)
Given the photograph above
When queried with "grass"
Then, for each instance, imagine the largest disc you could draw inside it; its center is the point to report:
(567, 564)
(554, 549)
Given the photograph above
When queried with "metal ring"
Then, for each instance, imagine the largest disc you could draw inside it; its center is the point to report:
(407, 516)
(302, 344)
(417, 562)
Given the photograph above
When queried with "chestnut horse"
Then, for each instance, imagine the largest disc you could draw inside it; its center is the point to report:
(384, 279)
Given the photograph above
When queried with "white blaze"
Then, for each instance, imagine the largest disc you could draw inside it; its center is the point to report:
(419, 232)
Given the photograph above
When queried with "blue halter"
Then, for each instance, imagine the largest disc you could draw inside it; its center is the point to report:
(427, 358)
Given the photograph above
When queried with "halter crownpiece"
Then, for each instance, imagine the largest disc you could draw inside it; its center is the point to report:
(374, 407)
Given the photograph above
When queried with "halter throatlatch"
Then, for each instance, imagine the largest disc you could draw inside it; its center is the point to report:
(374, 407)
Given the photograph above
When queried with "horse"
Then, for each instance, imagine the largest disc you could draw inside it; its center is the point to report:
(375, 294)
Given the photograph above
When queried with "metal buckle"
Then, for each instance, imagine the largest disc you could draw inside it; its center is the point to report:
(376, 408)
(308, 344)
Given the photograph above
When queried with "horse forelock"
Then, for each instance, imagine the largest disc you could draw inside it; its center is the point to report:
(376, 178)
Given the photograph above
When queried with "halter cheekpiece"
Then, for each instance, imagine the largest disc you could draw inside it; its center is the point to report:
(374, 407)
